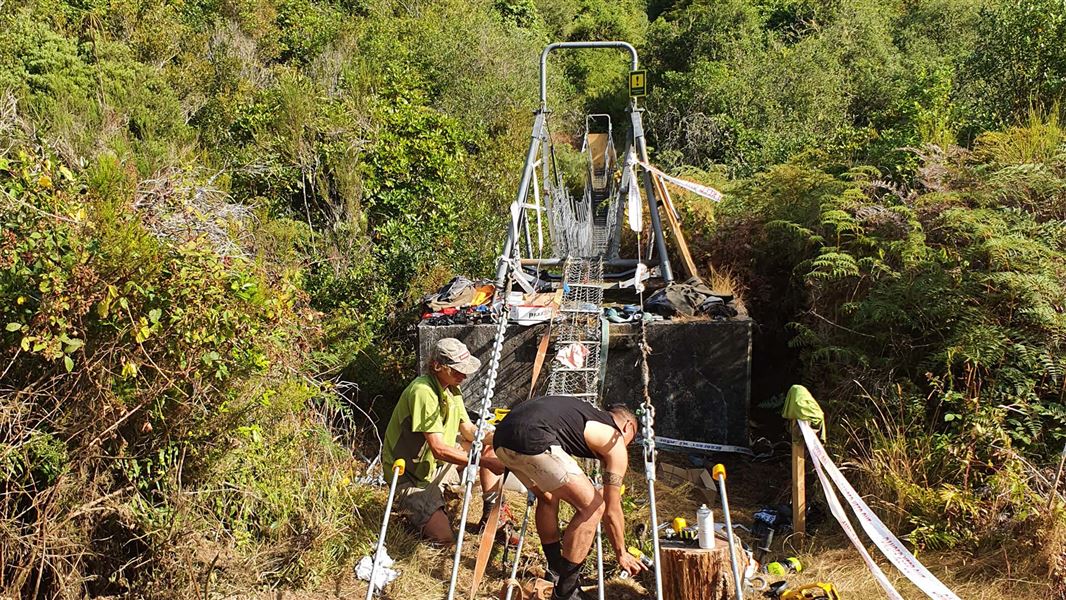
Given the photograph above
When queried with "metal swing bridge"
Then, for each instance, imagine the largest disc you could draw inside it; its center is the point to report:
(583, 238)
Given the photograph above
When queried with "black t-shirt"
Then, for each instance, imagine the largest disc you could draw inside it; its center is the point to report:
(533, 426)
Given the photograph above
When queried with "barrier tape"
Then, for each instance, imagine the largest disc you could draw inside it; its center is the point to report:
(665, 441)
(842, 517)
(885, 541)
(699, 189)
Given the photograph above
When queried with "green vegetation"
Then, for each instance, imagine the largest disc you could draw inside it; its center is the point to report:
(933, 312)
(216, 219)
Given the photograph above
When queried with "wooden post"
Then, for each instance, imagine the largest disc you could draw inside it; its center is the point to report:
(799, 481)
(696, 574)
(679, 236)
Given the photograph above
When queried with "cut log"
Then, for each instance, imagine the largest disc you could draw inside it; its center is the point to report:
(695, 573)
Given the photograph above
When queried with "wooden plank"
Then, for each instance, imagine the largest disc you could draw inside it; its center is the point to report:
(799, 481)
(488, 536)
(598, 149)
(675, 228)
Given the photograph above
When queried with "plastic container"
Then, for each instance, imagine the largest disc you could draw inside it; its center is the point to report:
(705, 522)
(784, 567)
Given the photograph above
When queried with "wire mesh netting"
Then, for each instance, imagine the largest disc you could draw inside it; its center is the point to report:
(578, 332)
(586, 226)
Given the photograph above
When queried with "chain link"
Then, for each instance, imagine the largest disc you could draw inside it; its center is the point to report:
(647, 409)
(490, 381)
(647, 422)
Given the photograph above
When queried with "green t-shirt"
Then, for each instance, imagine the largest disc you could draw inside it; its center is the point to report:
(423, 408)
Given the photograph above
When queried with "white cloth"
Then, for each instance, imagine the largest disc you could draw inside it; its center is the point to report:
(573, 355)
(634, 203)
(384, 575)
(637, 282)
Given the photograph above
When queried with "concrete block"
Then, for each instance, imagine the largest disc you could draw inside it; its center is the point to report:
(700, 372)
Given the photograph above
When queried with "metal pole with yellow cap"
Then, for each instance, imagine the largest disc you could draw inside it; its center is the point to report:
(718, 473)
(398, 468)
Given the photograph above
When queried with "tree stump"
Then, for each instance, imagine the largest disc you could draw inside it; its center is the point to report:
(695, 573)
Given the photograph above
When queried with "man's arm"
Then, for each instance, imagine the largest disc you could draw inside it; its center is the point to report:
(444, 452)
(467, 431)
(609, 445)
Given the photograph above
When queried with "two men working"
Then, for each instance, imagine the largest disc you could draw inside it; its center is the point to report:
(536, 441)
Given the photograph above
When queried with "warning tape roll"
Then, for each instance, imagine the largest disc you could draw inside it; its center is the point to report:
(882, 537)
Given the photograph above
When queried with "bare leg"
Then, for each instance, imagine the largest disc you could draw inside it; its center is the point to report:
(487, 477)
(546, 517)
(588, 502)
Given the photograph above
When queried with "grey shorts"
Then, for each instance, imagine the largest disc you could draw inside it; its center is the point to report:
(418, 503)
(547, 471)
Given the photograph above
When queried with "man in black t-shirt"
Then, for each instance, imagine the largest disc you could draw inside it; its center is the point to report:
(537, 442)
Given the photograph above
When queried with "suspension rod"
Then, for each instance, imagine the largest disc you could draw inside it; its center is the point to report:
(523, 191)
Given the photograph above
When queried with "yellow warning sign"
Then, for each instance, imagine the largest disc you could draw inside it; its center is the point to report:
(638, 83)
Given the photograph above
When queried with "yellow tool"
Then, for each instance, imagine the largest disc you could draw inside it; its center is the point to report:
(812, 591)
(689, 534)
(785, 567)
(637, 554)
(679, 524)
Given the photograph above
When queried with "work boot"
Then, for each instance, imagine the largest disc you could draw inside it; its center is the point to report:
(506, 516)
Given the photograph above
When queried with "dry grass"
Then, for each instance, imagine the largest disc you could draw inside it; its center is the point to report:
(994, 574)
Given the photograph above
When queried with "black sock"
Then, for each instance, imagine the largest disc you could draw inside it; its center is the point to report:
(554, 553)
(569, 578)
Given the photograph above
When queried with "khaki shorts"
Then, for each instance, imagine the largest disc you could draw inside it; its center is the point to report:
(419, 503)
(547, 471)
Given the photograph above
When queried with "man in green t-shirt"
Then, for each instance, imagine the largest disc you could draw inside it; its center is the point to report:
(425, 430)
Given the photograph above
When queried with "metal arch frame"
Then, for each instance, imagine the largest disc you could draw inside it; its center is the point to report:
(633, 62)
(539, 135)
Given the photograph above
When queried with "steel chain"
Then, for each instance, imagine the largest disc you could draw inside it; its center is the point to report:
(647, 422)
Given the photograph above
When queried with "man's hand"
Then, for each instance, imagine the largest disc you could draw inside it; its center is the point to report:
(630, 565)
(493, 464)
